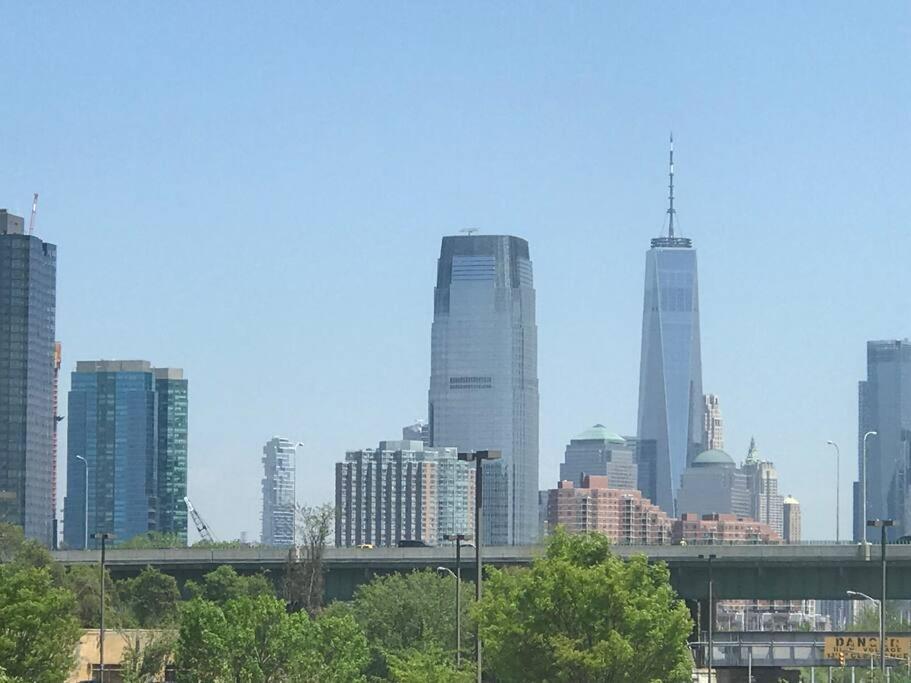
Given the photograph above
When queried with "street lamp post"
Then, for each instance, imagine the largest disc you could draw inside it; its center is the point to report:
(458, 538)
(883, 524)
(85, 542)
(103, 536)
(837, 489)
(879, 606)
(711, 613)
(478, 457)
(863, 492)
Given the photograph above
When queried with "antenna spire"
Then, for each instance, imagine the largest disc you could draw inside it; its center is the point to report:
(670, 210)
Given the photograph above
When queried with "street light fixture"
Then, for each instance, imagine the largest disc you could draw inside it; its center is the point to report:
(458, 538)
(711, 613)
(103, 536)
(837, 488)
(85, 542)
(857, 595)
(478, 457)
(883, 524)
(863, 492)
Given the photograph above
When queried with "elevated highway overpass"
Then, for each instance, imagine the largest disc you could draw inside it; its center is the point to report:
(770, 572)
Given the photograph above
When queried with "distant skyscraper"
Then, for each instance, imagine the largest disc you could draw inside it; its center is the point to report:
(128, 421)
(713, 484)
(885, 407)
(419, 431)
(402, 492)
(670, 374)
(28, 277)
(765, 500)
(598, 451)
(279, 497)
(791, 520)
(712, 424)
(484, 373)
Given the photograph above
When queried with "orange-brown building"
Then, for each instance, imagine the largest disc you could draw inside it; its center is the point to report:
(715, 528)
(623, 515)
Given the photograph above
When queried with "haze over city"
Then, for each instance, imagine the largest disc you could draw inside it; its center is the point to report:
(260, 201)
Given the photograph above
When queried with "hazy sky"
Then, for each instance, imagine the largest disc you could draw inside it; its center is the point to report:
(257, 195)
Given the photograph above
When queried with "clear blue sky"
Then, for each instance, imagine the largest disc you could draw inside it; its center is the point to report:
(257, 195)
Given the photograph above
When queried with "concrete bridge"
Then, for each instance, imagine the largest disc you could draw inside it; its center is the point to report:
(769, 572)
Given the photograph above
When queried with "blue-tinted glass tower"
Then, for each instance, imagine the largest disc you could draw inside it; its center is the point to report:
(670, 372)
(127, 432)
(484, 374)
(28, 277)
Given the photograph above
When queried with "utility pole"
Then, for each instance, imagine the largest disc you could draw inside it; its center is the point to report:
(458, 538)
(883, 524)
(478, 457)
(103, 536)
(711, 613)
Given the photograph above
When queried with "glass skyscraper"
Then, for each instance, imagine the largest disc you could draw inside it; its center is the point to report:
(127, 423)
(28, 277)
(484, 374)
(279, 496)
(884, 407)
(670, 371)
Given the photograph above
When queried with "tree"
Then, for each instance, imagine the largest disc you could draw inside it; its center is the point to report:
(38, 629)
(255, 640)
(224, 584)
(431, 664)
(403, 613)
(154, 540)
(145, 655)
(581, 614)
(150, 598)
(84, 582)
(304, 575)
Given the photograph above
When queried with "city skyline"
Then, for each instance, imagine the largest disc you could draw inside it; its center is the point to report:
(551, 127)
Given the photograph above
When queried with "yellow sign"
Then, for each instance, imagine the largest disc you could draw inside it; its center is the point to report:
(864, 647)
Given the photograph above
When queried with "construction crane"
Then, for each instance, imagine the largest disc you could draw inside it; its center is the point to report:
(204, 532)
(31, 221)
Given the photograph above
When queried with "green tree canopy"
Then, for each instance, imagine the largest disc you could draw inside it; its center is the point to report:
(255, 640)
(84, 582)
(403, 613)
(151, 598)
(38, 629)
(224, 584)
(153, 540)
(581, 614)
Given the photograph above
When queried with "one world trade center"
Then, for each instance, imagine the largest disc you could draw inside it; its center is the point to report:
(670, 371)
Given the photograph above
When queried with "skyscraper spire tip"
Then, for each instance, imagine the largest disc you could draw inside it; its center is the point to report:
(670, 209)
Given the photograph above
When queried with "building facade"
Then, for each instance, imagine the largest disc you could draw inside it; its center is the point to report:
(28, 291)
(670, 373)
(598, 451)
(791, 520)
(623, 515)
(419, 431)
(402, 491)
(279, 492)
(126, 449)
(713, 484)
(766, 503)
(484, 376)
(884, 407)
(712, 424)
(719, 528)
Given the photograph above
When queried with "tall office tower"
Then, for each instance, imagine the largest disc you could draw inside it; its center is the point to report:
(791, 520)
(28, 285)
(599, 452)
(765, 500)
(484, 374)
(419, 431)
(402, 491)
(279, 493)
(713, 484)
(670, 371)
(55, 411)
(126, 447)
(712, 424)
(171, 391)
(885, 408)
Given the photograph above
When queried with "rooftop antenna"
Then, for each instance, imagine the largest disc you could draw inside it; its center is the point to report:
(670, 209)
(469, 231)
(31, 221)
